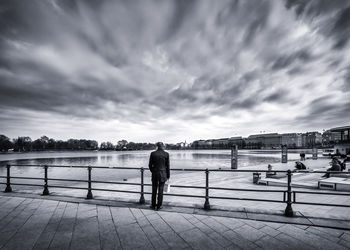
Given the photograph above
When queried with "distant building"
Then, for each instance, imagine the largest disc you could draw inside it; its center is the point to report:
(292, 140)
(220, 143)
(342, 146)
(272, 140)
(238, 140)
(311, 139)
(329, 138)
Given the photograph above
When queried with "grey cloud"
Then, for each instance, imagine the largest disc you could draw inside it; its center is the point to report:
(276, 96)
(346, 84)
(336, 22)
(342, 28)
(284, 61)
(325, 111)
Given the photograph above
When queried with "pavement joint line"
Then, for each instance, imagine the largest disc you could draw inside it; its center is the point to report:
(144, 230)
(170, 228)
(75, 223)
(117, 203)
(115, 227)
(59, 223)
(98, 226)
(24, 221)
(303, 216)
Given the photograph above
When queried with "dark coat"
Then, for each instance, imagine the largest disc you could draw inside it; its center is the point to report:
(159, 165)
(335, 166)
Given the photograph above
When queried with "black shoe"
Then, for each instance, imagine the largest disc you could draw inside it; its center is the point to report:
(159, 208)
(152, 207)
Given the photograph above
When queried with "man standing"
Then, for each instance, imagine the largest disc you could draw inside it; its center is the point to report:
(160, 168)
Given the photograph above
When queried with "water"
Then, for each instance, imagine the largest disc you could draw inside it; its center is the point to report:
(198, 159)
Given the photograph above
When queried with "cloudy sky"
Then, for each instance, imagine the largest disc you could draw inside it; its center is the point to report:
(172, 70)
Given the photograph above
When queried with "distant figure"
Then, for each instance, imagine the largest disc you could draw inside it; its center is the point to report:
(299, 165)
(302, 156)
(160, 168)
(335, 166)
(269, 172)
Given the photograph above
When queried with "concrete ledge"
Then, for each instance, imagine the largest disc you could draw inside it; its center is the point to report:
(231, 212)
(335, 183)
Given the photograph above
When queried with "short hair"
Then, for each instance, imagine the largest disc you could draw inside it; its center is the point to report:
(160, 144)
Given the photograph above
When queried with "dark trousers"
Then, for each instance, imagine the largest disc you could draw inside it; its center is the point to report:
(157, 184)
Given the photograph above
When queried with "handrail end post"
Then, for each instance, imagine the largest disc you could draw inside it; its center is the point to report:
(206, 203)
(8, 188)
(46, 190)
(289, 210)
(142, 197)
(89, 195)
(46, 186)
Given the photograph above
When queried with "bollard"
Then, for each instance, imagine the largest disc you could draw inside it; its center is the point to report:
(142, 198)
(89, 194)
(289, 210)
(46, 187)
(314, 153)
(206, 203)
(284, 153)
(234, 156)
(8, 180)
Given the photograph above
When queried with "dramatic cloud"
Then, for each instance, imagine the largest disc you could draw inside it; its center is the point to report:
(172, 70)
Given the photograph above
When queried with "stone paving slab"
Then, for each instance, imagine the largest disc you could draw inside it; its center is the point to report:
(28, 223)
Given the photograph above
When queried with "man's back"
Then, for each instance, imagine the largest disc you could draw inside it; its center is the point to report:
(159, 164)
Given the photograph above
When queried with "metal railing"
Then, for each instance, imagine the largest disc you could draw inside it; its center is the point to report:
(289, 195)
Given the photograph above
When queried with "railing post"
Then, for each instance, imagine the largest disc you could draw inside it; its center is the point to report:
(142, 198)
(8, 180)
(289, 210)
(46, 187)
(89, 194)
(206, 203)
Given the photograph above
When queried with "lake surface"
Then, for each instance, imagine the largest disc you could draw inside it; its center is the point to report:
(198, 159)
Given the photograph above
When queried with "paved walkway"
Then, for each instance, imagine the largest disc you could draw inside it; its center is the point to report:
(31, 223)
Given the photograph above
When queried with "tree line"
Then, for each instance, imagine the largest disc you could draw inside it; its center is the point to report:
(25, 144)
(44, 143)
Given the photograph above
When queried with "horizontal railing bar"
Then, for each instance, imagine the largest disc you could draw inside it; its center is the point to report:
(67, 187)
(244, 189)
(119, 183)
(26, 178)
(325, 193)
(181, 169)
(184, 186)
(244, 199)
(115, 190)
(185, 195)
(58, 179)
(320, 204)
(73, 166)
(21, 184)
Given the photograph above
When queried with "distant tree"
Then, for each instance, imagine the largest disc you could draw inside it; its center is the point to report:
(5, 143)
(107, 146)
(23, 143)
